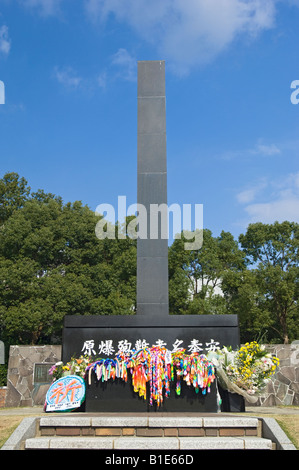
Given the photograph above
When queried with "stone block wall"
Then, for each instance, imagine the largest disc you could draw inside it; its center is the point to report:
(283, 388)
(22, 390)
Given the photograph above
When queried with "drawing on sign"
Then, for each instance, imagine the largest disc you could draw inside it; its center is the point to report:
(66, 394)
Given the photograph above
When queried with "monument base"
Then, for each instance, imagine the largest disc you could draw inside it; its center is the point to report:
(104, 336)
(119, 396)
(231, 402)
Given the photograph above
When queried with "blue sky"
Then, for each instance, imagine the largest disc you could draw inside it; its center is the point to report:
(69, 122)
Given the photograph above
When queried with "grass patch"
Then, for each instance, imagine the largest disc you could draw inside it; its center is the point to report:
(288, 423)
(7, 426)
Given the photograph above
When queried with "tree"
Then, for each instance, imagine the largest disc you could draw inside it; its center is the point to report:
(243, 298)
(14, 192)
(52, 265)
(273, 252)
(203, 271)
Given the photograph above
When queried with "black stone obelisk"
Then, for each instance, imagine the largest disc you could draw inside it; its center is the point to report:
(152, 250)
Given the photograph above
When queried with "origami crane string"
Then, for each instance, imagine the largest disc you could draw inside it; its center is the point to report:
(156, 366)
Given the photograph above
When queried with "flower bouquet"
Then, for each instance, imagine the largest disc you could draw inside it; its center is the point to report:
(73, 367)
(56, 371)
(245, 371)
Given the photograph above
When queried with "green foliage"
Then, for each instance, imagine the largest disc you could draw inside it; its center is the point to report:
(196, 276)
(14, 192)
(258, 279)
(3, 375)
(52, 265)
(273, 251)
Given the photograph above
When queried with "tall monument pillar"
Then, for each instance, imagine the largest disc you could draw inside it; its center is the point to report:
(152, 251)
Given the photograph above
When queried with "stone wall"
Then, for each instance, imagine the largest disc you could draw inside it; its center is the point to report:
(283, 388)
(23, 388)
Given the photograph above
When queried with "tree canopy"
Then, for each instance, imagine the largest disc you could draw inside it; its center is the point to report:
(52, 265)
(274, 252)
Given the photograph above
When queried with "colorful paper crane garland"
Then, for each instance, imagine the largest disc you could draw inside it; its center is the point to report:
(159, 367)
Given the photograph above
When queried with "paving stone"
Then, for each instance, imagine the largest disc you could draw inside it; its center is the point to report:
(157, 443)
(230, 422)
(168, 443)
(82, 443)
(119, 421)
(175, 421)
(37, 443)
(209, 443)
(56, 421)
(257, 443)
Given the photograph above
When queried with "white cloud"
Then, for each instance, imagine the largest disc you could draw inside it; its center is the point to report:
(5, 42)
(267, 150)
(260, 149)
(126, 64)
(248, 195)
(188, 33)
(102, 80)
(279, 210)
(72, 81)
(67, 77)
(44, 7)
(279, 201)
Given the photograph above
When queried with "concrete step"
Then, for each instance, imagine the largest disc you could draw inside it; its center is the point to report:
(149, 443)
(147, 431)
(108, 431)
(149, 426)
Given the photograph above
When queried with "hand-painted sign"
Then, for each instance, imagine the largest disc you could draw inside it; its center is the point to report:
(66, 394)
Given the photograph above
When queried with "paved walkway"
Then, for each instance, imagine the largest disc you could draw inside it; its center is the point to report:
(22, 411)
(256, 410)
(273, 410)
